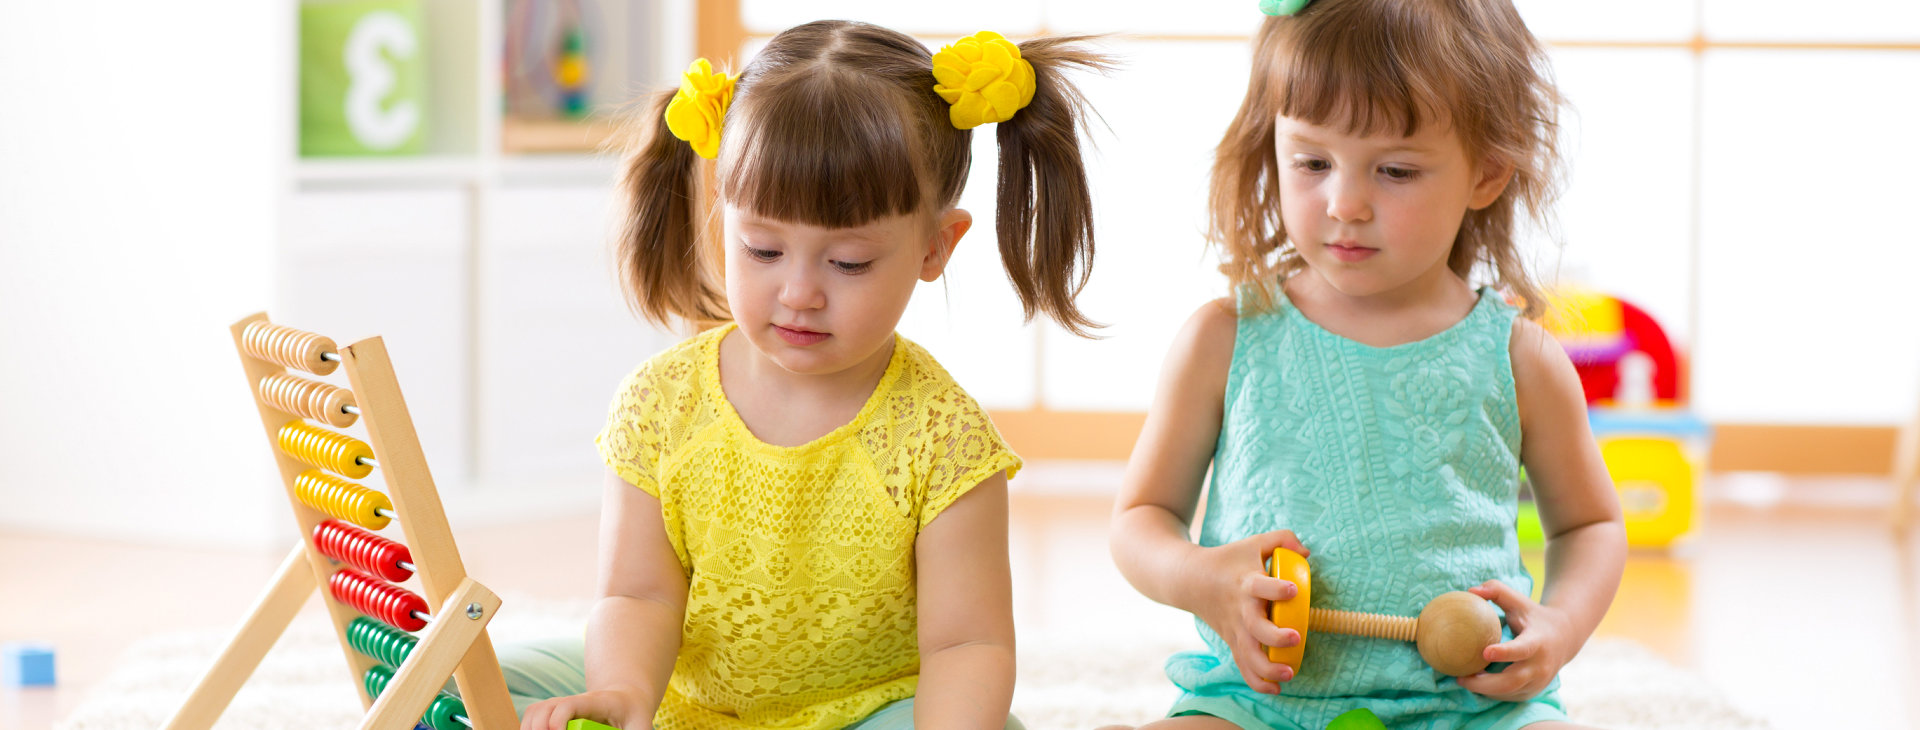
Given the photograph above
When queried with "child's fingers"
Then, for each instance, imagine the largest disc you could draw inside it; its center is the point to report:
(1522, 648)
(1269, 588)
(1268, 634)
(1260, 673)
(538, 716)
(1268, 541)
(1512, 685)
(1503, 596)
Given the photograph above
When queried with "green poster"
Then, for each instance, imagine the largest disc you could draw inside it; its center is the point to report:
(362, 78)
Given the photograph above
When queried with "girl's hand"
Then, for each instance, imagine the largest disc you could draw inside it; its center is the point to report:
(624, 710)
(1540, 646)
(1232, 593)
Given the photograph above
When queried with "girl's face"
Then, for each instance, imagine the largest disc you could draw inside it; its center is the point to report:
(817, 301)
(1373, 214)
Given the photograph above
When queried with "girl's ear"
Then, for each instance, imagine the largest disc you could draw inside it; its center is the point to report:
(1492, 181)
(952, 225)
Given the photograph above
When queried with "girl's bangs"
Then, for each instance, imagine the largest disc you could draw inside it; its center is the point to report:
(1361, 78)
(816, 150)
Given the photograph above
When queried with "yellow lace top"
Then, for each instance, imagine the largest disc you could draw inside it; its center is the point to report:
(799, 560)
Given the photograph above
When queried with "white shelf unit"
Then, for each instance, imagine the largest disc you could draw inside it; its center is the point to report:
(488, 272)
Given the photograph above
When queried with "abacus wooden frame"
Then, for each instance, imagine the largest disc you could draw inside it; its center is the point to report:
(456, 642)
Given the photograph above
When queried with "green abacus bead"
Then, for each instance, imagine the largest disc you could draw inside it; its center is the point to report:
(440, 714)
(377, 678)
(375, 639)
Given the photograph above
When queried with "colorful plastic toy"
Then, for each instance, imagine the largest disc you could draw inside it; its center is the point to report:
(1357, 719)
(1599, 331)
(586, 724)
(570, 73)
(1452, 632)
(1648, 439)
(26, 665)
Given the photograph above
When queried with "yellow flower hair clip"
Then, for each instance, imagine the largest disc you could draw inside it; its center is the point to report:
(984, 78)
(699, 107)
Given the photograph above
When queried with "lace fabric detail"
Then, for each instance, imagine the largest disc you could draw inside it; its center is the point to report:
(1398, 467)
(800, 562)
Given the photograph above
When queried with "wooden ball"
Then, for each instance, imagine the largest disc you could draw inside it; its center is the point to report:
(1454, 631)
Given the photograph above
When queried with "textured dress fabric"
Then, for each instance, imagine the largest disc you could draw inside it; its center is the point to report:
(1398, 469)
(799, 560)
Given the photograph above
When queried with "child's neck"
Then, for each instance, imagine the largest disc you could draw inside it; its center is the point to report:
(784, 408)
(1411, 312)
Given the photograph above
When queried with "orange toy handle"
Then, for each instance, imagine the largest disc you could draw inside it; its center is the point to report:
(1293, 614)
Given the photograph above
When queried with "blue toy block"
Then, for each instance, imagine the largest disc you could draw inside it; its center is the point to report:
(26, 665)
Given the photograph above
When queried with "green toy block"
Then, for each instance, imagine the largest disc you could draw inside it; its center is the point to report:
(586, 724)
(1356, 719)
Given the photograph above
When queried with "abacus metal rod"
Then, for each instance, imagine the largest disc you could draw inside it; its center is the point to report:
(387, 513)
(408, 566)
(369, 461)
(334, 356)
(355, 410)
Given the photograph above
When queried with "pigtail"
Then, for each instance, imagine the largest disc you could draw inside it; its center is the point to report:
(662, 255)
(1044, 210)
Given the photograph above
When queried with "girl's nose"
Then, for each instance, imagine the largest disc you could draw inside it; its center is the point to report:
(802, 291)
(1348, 200)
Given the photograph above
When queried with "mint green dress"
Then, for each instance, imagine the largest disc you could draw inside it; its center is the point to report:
(1398, 467)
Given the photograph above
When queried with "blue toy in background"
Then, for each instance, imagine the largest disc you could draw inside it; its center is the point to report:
(26, 665)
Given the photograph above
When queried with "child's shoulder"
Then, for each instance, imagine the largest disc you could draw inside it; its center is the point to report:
(1210, 332)
(1200, 357)
(1540, 364)
(923, 378)
(1531, 346)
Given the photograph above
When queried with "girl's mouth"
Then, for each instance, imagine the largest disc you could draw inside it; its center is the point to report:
(800, 337)
(1350, 252)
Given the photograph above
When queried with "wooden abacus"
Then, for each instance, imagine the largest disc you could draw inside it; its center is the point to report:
(399, 675)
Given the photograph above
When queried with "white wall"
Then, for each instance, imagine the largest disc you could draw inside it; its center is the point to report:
(138, 147)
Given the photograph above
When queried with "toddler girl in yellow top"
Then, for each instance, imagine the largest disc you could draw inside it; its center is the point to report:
(804, 515)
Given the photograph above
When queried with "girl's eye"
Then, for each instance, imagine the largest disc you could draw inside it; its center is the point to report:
(850, 267)
(1400, 173)
(759, 254)
(1311, 165)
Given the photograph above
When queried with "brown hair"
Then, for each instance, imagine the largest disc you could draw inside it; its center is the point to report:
(835, 123)
(1384, 66)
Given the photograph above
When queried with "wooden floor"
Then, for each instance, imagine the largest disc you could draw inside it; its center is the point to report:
(1796, 600)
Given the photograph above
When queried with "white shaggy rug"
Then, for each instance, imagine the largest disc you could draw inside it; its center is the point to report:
(302, 685)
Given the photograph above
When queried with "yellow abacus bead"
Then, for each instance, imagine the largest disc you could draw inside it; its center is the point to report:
(334, 452)
(341, 499)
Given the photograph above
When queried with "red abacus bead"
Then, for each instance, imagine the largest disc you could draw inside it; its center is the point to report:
(363, 550)
(384, 601)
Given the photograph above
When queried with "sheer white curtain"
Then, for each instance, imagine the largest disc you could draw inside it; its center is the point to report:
(1751, 199)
